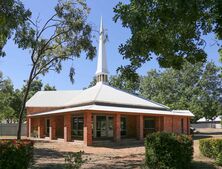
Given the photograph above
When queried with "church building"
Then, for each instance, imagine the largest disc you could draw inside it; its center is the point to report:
(101, 112)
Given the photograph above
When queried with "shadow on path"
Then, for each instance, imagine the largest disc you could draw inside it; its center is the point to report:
(202, 165)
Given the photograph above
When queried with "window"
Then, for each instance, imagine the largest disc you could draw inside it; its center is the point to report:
(123, 126)
(77, 126)
(149, 125)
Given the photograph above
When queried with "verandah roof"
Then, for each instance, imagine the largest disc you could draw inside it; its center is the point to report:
(117, 109)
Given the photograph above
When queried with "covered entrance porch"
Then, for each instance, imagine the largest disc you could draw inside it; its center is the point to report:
(94, 126)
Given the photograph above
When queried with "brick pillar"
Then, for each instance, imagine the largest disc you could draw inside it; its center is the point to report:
(140, 127)
(41, 127)
(188, 125)
(117, 127)
(67, 127)
(87, 134)
(28, 125)
(52, 129)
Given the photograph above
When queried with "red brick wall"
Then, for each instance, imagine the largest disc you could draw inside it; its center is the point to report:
(33, 110)
(167, 124)
(41, 127)
(67, 127)
(117, 126)
(173, 124)
(140, 127)
(52, 132)
(87, 133)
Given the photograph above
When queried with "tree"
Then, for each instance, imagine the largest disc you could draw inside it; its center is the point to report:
(47, 87)
(171, 31)
(7, 109)
(196, 87)
(12, 16)
(68, 35)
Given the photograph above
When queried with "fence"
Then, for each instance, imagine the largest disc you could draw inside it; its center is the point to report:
(11, 129)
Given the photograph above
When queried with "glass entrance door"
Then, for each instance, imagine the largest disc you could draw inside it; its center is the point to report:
(104, 126)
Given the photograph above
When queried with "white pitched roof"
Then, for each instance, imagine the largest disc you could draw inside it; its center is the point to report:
(100, 93)
(51, 98)
(103, 93)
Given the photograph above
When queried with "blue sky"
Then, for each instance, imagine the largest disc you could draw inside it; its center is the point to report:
(16, 65)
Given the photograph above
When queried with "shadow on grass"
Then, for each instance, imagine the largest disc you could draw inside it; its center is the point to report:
(49, 166)
(202, 165)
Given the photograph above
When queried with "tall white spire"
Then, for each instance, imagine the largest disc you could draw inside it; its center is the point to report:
(102, 71)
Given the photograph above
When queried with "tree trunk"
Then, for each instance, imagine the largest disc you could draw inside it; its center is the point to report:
(24, 102)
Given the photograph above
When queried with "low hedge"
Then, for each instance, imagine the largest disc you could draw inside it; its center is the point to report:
(168, 151)
(212, 148)
(16, 154)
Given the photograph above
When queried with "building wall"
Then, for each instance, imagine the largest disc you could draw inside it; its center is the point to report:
(173, 124)
(33, 110)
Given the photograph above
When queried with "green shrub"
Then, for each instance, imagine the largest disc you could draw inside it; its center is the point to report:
(74, 160)
(212, 148)
(219, 159)
(16, 154)
(168, 151)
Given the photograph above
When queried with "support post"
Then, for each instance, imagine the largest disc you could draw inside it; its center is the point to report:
(29, 126)
(67, 127)
(140, 127)
(87, 128)
(117, 127)
(52, 129)
(41, 127)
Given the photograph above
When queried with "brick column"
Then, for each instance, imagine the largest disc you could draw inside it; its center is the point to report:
(117, 127)
(67, 127)
(28, 125)
(52, 129)
(41, 127)
(188, 125)
(87, 134)
(140, 127)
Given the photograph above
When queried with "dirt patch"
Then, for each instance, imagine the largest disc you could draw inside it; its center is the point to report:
(50, 154)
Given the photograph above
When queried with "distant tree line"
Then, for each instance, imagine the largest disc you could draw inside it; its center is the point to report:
(197, 88)
(11, 98)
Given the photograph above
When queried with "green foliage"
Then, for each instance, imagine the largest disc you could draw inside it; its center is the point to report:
(195, 87)
(170, 31)
(168, 151)
(74, 160)
(8, 100)
(211, 147)
(218, 160)
(47, 87)
(13, 15)
(11, 100)
(16, 154)
(64, 36)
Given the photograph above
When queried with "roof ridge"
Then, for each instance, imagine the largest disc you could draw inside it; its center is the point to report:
(97, 94)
